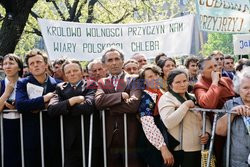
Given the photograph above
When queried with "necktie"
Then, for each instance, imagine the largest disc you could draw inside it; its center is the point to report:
(115, 81)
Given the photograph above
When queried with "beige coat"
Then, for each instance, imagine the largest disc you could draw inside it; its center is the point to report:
(172, 113)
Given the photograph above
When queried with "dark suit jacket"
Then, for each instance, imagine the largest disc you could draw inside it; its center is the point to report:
(31, 126)
(111, 101)
(59, 105)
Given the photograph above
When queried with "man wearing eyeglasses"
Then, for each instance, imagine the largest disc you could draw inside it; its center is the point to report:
(218, 56)
(228, 70)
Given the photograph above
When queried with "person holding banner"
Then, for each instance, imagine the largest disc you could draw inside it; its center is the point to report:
(240, 122)
(32, 96)
(116, 95)
(13, 67)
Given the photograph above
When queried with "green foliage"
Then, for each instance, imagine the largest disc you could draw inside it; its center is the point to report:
(104, 11)
(218, 41)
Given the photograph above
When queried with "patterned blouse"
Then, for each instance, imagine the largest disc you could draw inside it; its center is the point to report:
(150, 129)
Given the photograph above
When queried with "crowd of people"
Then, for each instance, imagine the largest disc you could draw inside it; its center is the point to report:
(157, 98)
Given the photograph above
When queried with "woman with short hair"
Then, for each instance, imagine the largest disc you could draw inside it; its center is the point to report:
(13, 68)
(240, 122)
(156, 152)
(184, 125)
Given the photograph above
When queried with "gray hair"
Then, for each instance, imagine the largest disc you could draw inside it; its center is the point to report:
(245, 73)
(95, 61)
(111, 49)
(201, 63)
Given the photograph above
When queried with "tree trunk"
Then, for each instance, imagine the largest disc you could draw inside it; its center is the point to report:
(12, 30)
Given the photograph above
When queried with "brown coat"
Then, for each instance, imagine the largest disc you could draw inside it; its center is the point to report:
(111, 102)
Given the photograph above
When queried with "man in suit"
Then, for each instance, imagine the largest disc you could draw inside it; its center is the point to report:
(32, 95)
(72, 99)
(117, 96)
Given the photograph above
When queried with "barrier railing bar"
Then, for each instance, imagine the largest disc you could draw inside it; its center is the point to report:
(126, 139)
(62, 138)
(2, 138)
(228, 138)
(90, 140)
(41, 137)
(104, 139)
(212, 140)
(21, 137)
(83, 142)
(203, 131)
(212, 110)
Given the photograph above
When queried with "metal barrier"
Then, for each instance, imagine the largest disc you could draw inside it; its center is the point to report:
(42, 141)
(216, 112)
(125, 139)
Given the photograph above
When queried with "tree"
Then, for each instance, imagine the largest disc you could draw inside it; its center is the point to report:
(12, 30)
(218, 41)
(94, 11)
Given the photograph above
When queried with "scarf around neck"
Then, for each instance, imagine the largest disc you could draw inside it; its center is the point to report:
(159, 94)
(180, 98)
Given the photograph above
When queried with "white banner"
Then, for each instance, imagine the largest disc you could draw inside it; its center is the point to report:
(83, 41)
(231, 16)
(241, 44)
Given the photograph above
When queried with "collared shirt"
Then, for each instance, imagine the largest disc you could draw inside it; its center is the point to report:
(230, 74)
(75, 86)
(11, 115)
(115, 79)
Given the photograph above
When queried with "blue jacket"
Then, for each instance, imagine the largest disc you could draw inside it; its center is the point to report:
(23, 103)
(31, 125)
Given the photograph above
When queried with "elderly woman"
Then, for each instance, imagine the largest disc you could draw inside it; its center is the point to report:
(153, 138)
(13, 68)
(212, 91)
(183, 124)
(166, 64)
(240, 122)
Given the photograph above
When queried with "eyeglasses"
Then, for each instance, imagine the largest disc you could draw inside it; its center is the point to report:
(217, 59)
(230, 63)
